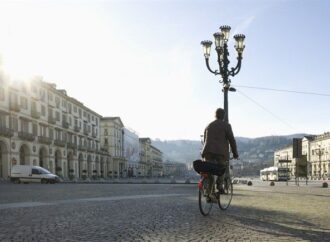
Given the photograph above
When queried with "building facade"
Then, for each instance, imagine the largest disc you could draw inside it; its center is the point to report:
(42, 125)
(151, 159)
(131, 152)
(316, 150)
(156, 162)
(112, 140)
(175, 169)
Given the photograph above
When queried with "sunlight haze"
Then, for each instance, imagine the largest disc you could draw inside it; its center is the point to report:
(142, 61)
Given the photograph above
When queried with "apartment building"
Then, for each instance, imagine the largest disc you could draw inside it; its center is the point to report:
(112, 140)
(156, 161)
(42, 125)
(151, 161)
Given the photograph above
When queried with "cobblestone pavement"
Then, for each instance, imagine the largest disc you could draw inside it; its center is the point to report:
(145, 212)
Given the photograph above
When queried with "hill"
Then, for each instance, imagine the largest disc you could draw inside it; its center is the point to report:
(252, 150)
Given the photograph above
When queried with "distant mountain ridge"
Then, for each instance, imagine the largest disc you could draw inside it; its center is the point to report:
(250, 149)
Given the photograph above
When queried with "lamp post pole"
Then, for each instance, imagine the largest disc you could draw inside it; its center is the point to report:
(221, 47)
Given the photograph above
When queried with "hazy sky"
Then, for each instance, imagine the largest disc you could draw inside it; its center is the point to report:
(142, 61)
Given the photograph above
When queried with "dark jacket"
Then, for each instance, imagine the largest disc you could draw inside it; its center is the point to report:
(217, 137)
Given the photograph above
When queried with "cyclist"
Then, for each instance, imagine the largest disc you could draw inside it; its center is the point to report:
(217, 137)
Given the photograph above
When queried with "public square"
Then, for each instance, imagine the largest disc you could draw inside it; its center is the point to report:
(161, 212)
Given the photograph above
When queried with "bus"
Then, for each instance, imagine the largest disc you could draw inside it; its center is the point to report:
(275, 174)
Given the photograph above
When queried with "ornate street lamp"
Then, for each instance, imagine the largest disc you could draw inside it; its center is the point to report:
(220, 39)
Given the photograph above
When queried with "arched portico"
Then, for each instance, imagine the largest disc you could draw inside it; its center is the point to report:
(58, 161)
(3, 160)
(71, 170)
(43, 155)
(24, 154)
(89, 166)
(80, 164)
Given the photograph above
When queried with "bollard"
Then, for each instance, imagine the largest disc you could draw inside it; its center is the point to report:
(324, 184)
(272, 183)
(249, 183)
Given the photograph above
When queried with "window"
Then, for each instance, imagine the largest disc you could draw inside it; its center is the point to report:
(14, 123)
(50, 97)
(58, 116)
(57, 101)
(70, 120)
(79, 113)
(96, 121)
(63, 103)
(69, 107)
(58, 134)
(13, 98)
(24, 126)
(51, 133)
(85, 114)
(92, 118)
(3, 121)
(106, 141)
(88, 117)
(75, 109)
(2, 94)
(64, 136)
(35, 171)
(43, 130)
(42, 94)
(35, 129)
(43, 110)
(24, 103)
(105, 131)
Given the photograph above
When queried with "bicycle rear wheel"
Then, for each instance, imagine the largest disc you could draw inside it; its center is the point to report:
(205, 206)
(226, 193)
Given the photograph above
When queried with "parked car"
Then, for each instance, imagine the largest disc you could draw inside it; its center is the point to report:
(27, 173)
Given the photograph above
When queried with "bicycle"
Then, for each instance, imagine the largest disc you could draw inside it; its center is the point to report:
(221, 192)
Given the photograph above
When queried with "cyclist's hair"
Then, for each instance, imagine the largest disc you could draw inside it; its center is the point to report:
(220, 113)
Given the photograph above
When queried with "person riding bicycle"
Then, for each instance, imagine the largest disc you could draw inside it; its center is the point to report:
(217, 137)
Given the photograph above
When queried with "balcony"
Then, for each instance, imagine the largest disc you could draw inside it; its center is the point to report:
(35, 114)
(77, 128)
(82, 147)
(51, 120)
(44, 140)
(14, 107)
(65, 124)
(26, 136)
(60, 143)
(71, 145)
(6, 132)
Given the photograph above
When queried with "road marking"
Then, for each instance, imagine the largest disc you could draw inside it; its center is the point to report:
(93, 199)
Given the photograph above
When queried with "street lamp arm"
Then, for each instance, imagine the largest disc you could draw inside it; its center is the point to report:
(235, 71)
(209, 68)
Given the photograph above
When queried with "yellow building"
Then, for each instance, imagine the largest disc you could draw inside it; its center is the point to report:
(112, 134)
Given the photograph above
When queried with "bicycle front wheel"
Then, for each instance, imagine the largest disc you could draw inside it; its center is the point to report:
(226, 193)
(205, 205)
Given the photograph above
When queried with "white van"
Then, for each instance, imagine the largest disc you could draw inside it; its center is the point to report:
(26, 173)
